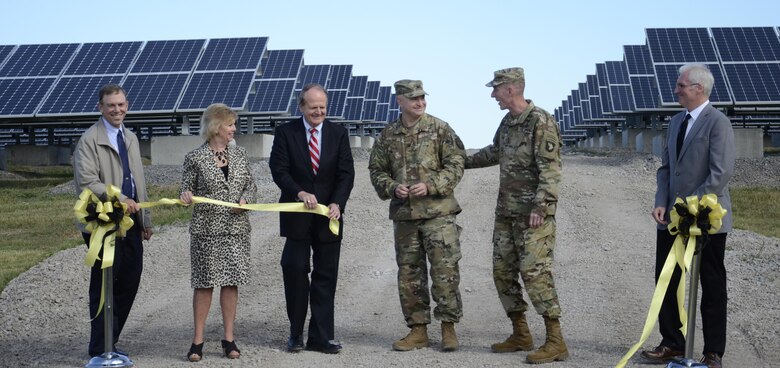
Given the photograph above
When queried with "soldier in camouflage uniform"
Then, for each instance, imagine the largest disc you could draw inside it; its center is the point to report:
(416, 162)
(527, 148)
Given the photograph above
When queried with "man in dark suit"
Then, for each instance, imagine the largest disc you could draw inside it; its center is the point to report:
(698, 159)
(311, 162)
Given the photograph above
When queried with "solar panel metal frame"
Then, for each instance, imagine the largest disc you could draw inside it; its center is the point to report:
(75, 95)
(283, 64)
(680, 45)
(39, 60)
(337, 100)
(247, 78)
(168, 56)
(276, 102)
(644, 90)
(30, 99)
(211, 60)
(93, 58)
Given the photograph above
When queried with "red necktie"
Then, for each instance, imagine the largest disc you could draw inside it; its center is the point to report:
(314, 151)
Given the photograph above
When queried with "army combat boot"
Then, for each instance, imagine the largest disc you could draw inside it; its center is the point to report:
(554, 348)
(449, 341)
(416, 339)
(520, 339)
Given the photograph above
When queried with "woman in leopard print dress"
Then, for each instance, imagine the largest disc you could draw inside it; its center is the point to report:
(219, 236)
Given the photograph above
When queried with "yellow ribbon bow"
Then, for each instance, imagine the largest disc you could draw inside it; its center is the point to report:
(687, 218)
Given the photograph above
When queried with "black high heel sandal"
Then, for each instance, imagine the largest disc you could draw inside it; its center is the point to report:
(229, 347)
(196, 353)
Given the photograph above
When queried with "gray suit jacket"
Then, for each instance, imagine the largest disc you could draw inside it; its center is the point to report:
(705, 165)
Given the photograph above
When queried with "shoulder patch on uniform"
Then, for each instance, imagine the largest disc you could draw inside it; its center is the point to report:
(549, 145)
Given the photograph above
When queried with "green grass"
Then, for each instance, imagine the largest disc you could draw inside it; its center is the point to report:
(35, 224)
(756, 210)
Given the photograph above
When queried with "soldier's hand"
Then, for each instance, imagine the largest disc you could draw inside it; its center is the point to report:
(535, 220)
(401, 191)
(419, 190)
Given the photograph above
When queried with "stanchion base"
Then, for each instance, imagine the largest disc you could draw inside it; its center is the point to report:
(684, 363)
(110, 359)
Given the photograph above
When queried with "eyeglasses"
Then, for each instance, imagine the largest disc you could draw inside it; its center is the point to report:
(681, 86)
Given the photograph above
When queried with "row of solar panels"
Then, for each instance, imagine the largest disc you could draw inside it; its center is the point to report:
(178, 76)
(744, 61)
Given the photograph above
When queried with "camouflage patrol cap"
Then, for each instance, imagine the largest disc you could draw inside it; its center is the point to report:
(409, 88)
(506, 75)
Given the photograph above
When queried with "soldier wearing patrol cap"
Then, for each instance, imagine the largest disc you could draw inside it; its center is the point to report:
(527, 149)
(416, 163)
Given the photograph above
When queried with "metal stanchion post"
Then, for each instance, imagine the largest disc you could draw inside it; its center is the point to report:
(693, 294)
(109, 358)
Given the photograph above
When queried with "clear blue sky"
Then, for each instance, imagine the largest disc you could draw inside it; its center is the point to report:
(453, 46)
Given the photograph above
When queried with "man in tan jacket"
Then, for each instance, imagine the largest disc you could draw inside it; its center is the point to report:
(108, 154)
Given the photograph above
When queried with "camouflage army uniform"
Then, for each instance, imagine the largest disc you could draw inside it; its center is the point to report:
(432, 153)
(527, 148)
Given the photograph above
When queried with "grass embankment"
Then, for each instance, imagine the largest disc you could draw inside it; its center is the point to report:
(35, 224)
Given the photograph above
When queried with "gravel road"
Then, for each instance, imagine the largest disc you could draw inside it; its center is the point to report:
(603, 268)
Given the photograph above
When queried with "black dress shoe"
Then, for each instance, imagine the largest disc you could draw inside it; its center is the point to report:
(712, 360)
(295, 344)
(662, 354)
(331, 347)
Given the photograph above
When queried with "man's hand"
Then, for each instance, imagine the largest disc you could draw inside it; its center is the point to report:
(132, 206)
(419, 190)
(401, 191)
(535, 220)
(147, 233)
(309, 200)
(658, 215)
(334, 211)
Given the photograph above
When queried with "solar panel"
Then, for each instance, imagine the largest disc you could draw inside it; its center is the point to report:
(680, 45)
(385, 93)
(103, 58)
(595, 107)
(21, 96)
(38, 60)
(357, 87)
(337, 99)
(747, 44)
(667, 75)
(645, 92)
(637, 59)
(754, 83)
(313, 74)
(617, 73)
(154, 92)
(585, 108)
(271, 96)
(372, 90)
(340, 77)
(233, 54)
(593, 85)
(382, 110)
(283, 64)
(168, 56)
(606, 101)
(230, 88)
(5, 50)
(622, 102)
(575, 98)
(577, 115)
(353, 109)
(75, 95)
(601, 75)
(393, 115)
(369, 110)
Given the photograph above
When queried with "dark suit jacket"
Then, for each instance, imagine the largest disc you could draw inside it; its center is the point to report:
(290, 165)
(705, 165)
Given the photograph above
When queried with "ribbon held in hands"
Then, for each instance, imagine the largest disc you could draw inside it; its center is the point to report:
(321, 210)
(690, 219)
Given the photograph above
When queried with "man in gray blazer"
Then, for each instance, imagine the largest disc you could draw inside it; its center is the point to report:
(698, 160)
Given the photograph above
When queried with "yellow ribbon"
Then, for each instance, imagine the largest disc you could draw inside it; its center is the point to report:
(322, 210)
(681, 255)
